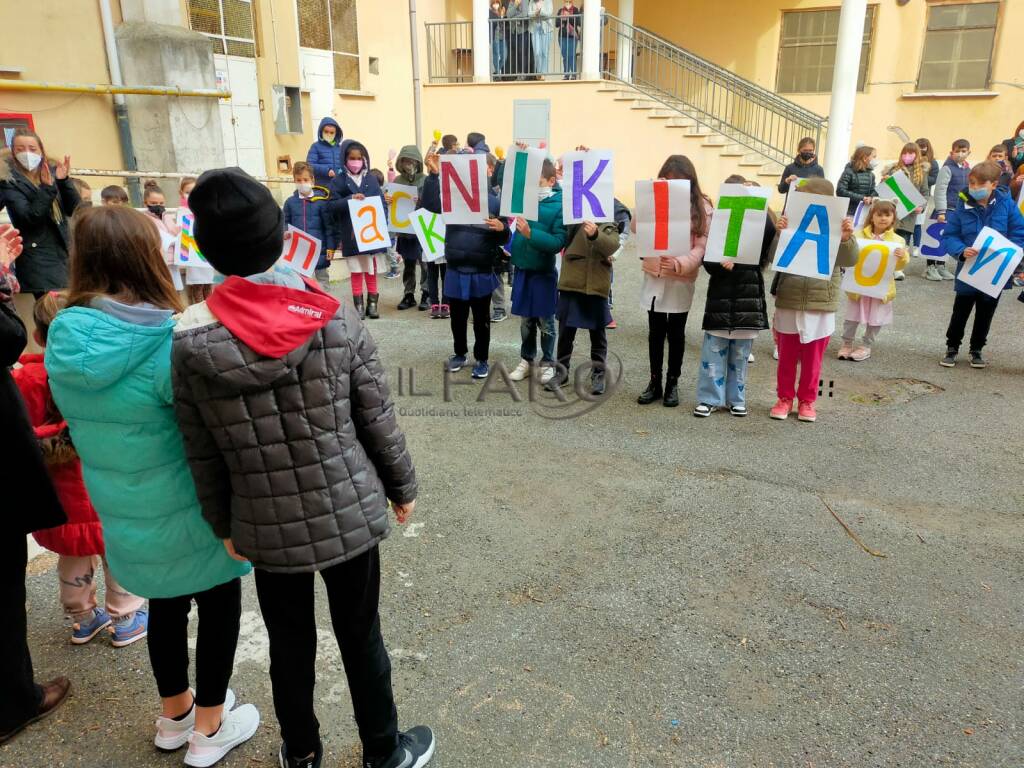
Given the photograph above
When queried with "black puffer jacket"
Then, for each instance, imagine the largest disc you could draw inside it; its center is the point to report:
(736, 299)
(855, 185)
(288, 424)
(471, 248)
(43, 266)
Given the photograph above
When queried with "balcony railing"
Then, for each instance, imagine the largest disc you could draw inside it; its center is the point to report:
(713, 97)
(535, 48)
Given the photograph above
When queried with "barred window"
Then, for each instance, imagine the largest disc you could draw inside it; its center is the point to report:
(958, 47)
(228, 23)
(330, 25)
(807, 51)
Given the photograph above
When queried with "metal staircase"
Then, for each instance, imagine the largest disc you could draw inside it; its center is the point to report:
(724, 110)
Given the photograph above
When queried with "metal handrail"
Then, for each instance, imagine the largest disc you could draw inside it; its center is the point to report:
(742, 111)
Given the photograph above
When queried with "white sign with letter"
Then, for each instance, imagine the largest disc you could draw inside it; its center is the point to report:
(992, 267)
(737, 226)
(808, 247)
(663, 217)
(872, 275)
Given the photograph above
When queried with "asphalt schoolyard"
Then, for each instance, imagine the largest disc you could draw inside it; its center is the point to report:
(636, 587)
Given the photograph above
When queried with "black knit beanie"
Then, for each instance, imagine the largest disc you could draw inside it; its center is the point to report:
(238, 227)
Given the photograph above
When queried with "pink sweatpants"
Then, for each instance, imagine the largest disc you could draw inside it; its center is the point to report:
(809, 357)
(357, 282)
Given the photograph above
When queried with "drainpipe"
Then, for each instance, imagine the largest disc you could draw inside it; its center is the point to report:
(415, 44)
(844, 86)
(120, 108)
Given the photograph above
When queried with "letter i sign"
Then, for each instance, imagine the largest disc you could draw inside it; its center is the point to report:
(301, 251)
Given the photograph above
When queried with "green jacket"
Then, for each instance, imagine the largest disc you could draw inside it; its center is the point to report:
(411, 152)
(809, 293)
(586, 263)
(547, 237)
(111, 380)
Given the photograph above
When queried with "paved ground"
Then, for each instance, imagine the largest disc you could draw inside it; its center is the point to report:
(635, 587)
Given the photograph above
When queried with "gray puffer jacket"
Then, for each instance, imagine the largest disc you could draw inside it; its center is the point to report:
(288, 424)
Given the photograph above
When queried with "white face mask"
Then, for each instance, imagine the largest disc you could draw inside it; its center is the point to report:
(30, 160)
(873, 163)
(545, 192)
(304, 189)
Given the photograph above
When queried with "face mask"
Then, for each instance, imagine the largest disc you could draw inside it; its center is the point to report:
(156, 210)
(304, 189)
(329, 140)
(908, 159)
(961, 156)
(979, 194)
(183, 201)
(354, 166)
(545, 192)
(806, 156)
(873, 163)
(1021, 133)
(30, 160)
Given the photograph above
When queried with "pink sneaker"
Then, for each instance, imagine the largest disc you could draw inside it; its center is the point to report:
(844, 352)
(860, 354)
(807, 412)
(781, 409)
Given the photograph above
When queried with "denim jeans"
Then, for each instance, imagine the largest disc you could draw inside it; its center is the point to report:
(499, 51)
(528, 328)
(722, 379)
(568, 45)
(541, 49)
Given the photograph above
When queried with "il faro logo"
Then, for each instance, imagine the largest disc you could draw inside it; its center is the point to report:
(582, 391)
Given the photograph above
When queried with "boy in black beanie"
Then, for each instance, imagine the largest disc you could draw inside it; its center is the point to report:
(292, 440)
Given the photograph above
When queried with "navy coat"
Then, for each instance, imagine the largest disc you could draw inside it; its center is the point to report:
(324, 157)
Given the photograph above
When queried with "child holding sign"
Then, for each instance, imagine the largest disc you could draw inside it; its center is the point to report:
(873, 312)
(915, 165)
(409, 165)
(805, 318)
(668, 287)
(356, 183)
(985, 206)
(535, 285)
(307, 210)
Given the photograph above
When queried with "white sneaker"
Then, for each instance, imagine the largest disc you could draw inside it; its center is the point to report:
(898, 275)
(173, 734)
(547, 373)
(945, 274)
(237, 727)
(521, 371)
(932, 273)
(750, 357)
(775, 352)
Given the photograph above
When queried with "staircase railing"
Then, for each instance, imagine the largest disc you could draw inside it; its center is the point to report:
(744, 112)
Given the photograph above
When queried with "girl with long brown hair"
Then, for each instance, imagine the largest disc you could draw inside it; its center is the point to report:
(913, 163)
(857, 183)
(668, 290)
(109, 362)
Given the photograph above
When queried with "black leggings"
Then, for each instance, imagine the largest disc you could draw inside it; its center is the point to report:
(220, 612)
(481, 309)
(662, 325)
(435, 281)
(353, 593)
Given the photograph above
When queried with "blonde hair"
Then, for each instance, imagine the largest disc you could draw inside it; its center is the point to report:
(45, 309)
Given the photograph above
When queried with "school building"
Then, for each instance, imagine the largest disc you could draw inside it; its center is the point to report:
(123, 84)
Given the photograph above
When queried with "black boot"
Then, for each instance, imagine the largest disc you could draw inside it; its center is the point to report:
(371, 306)
(653, 391)
(424, 302)
(408, 302)
(671, 392)
(358, 301)
(597, 383)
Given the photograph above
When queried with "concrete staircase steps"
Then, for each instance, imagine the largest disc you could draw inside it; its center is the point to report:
(698, 132)
(622, 95)
(681, 122)
(609, 86)
(642, 104)
(662, 114)
(715, 140)
(733, 150)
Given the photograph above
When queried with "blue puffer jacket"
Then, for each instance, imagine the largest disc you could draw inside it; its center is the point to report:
(324, 157)
(343, 187)
(964, 224)
(111, 380)
(310, 215)
(467, 247)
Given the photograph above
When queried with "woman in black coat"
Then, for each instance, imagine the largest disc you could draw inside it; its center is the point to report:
(33, 505)
(858, 180)
(40, 200)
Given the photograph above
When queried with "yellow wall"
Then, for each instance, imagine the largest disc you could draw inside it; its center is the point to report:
(892, 69)
(80, 125)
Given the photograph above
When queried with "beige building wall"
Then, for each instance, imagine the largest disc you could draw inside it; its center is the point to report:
(749, 46)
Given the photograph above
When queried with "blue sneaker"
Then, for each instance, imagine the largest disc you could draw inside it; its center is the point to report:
(84, 631)
(129, 629)
(455, 363)
(481, 369)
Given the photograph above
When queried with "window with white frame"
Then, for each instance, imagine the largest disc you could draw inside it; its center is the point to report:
(330, 25)
(228, 23)
(807, 51)
(958, 45)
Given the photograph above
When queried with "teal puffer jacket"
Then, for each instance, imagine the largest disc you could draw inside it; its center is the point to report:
(111, 380)
(547, 237)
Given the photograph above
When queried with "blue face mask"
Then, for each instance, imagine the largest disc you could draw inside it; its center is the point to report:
(979, 194)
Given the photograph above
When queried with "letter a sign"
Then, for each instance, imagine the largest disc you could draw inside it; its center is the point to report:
(588, 186)
(810, 248)
(367, 224)
(464, 189)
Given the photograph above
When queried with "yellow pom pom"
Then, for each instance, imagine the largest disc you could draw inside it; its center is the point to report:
(499, 152)
(437, 135)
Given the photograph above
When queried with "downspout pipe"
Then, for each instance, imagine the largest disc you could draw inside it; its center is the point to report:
(415, 47)
(104, 89)
(124, 130)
